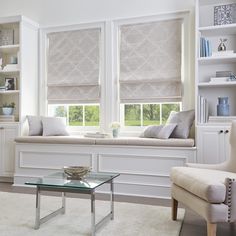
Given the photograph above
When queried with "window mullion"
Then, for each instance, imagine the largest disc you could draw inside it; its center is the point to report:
(160, 113)
(83, 115)
(141, 116)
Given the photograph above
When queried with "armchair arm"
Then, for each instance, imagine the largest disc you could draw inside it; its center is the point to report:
(222, 166)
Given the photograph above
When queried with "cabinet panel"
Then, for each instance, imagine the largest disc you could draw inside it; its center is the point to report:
(213, 144)
(8, 134)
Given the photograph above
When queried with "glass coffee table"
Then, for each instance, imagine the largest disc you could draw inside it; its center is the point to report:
(59, 182)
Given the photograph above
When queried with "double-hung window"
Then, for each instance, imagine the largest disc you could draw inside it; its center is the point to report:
(150, 71)
(73, 76)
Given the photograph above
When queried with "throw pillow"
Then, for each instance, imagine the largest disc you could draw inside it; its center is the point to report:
(151, 131)
(166, 131)
(35, 125)
(158, 131)
(184, 121)
(54, 126)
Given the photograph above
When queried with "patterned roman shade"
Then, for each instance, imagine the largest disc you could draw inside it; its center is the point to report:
(73, 66)
(150, 62)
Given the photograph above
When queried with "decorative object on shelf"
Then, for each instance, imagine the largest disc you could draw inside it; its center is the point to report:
(222, 46)
(225, 14)
(13, 60)
(10, 83)
(7, 109)
(205, 47)
(223, 106)
(232, 77)
(115, 128)
(76, 172)
(6, 37)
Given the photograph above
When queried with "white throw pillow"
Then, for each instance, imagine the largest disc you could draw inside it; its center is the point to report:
(35, 125)
(54, 126)
(166, 131)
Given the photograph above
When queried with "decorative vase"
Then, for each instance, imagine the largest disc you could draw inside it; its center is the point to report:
(115, 133)
(7, 111)
(223, 106)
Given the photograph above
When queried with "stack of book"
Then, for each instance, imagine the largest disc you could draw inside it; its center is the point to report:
(205, 47)
(96, 135)
(203, 109)
(7, 118)
(223, 53)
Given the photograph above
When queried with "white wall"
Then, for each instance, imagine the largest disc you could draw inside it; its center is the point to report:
(64, 12)
(56, 12)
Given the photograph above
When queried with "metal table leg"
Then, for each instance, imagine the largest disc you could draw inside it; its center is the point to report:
(93, 226)
(37, 218)
(112, 200)
(63, 194)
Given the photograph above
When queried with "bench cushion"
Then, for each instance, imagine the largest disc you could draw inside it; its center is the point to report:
(204, 183)
(107, 141)
(147, 142)
(55, 140)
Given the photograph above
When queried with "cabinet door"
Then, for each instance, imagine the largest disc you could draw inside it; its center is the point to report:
(227, 145)
(8, 134)
(210, 144)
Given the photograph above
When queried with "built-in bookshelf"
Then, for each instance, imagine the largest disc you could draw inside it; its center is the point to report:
(209, 61)
(214, 77)
(19, 66)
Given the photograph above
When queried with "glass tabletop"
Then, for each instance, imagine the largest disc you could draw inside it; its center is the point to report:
(59, 179)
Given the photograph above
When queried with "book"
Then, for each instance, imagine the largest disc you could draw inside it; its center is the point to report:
(223, 53)
(223, 119)
(96, 135)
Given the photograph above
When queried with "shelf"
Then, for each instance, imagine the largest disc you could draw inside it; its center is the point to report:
(217, 60)
(10, 92)
(222, 84)
(8, 72)
(215, 30)
(10, 48)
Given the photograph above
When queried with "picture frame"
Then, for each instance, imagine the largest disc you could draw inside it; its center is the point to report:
(225, 14)
(10, 84)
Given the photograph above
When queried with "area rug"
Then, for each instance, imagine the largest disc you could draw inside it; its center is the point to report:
(17, 215)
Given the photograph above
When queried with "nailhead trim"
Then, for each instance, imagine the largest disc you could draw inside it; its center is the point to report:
(229, 197)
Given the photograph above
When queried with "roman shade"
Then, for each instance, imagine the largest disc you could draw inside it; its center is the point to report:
(150, 62)
(73, 66)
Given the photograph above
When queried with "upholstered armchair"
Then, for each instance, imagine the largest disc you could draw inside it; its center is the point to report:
(209, 190)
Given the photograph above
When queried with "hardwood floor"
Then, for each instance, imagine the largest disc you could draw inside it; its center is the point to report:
(193, 224)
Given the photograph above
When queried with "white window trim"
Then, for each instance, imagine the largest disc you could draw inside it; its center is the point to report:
(185, 71)
(109, 72)
(43, 70)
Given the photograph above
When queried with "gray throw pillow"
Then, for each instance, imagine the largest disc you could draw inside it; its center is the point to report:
(54, 126)
(166, 131)
(151, 131)
(35, 125)
(158, 131)
(184, 121)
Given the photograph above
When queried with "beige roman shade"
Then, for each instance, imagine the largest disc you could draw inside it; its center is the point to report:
(73, 66)
(150, 62)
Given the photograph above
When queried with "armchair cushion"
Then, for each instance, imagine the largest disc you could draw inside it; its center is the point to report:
(204, 183)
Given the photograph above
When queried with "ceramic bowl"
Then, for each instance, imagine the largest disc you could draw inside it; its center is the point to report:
(76, 171)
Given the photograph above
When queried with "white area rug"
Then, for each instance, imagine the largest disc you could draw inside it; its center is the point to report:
(17, 215)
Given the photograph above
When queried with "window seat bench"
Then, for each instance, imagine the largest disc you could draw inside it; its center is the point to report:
(144, 163)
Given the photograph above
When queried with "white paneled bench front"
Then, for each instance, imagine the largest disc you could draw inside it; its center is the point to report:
(144, 163)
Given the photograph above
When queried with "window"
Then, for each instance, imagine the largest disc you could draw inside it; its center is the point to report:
(73, 76)
(147, 114)
(150, 71)
(76, 115)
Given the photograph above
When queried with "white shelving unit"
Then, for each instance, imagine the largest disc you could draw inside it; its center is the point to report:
(19, 61)
(210, 135)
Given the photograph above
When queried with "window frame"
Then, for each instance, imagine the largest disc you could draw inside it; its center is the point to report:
(109, 70)
(187, 90)
(43, 104)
